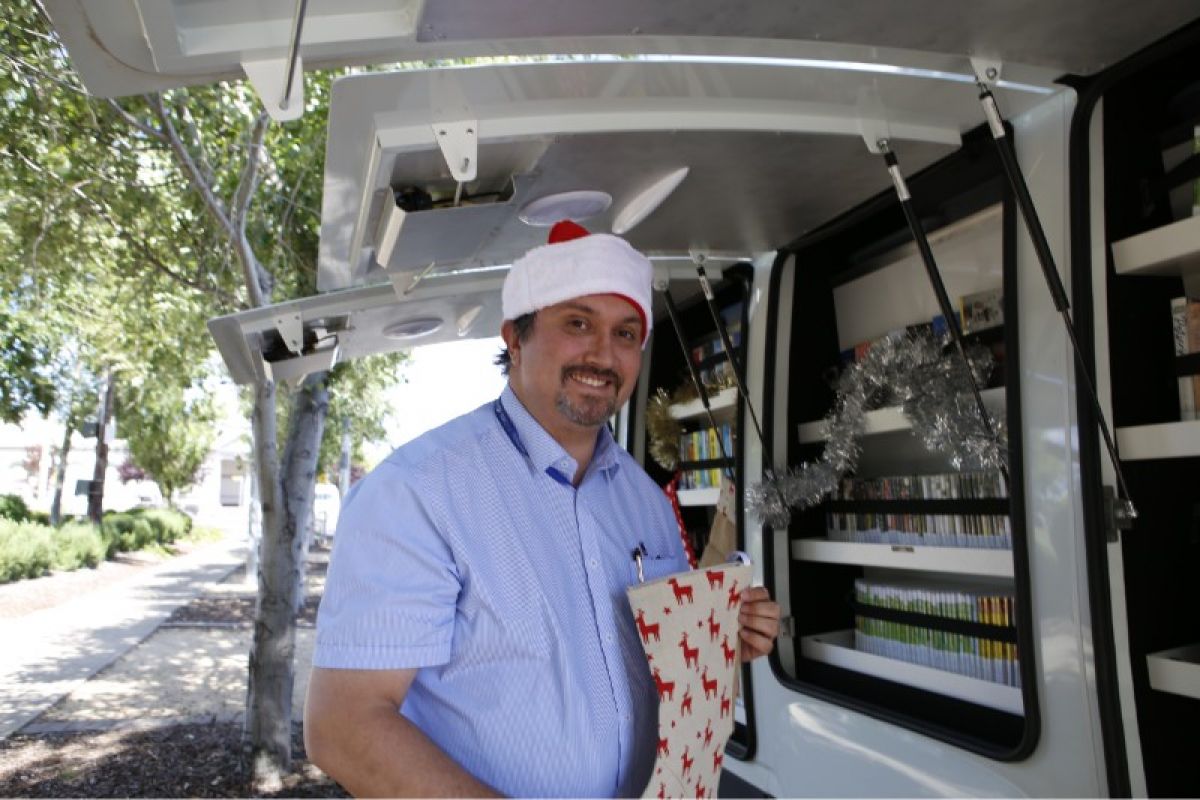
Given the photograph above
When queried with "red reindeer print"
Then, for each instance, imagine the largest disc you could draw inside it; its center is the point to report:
(716, 578)
(728, 651)
(718, 757)
(714, 627)
(662, 791)
(700, 789)
(666, 611)
(680, 591)
(724, 704)
(710, 687)
(708, 731)
(687, 763)
(666, 689)
(733, 596)
(662, 748)
(646, 630)
(685, 705)
(691, 655)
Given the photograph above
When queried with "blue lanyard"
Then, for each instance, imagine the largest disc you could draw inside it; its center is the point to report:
(515, 437)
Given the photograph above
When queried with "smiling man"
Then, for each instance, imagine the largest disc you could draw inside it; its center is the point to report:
(474, 637)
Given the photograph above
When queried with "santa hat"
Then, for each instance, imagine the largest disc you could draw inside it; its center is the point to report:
(576, 263)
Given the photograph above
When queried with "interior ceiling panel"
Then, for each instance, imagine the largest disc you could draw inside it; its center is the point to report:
(755, 196)
(1077, 36)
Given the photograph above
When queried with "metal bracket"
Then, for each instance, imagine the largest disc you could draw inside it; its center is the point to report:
(269, 79)
(872, 120)
(291, 328)
(987, 70)
(404, 282)
(1118, 515)
(459, 143)
(787, 628)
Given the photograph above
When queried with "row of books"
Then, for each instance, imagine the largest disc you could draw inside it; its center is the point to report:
(1185, 328)
(976, 312)
(703, 445)
(973, 656)
(983, 531)
(972, 484)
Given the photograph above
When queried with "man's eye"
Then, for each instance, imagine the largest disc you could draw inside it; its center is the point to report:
(627, 334)
(577, 322)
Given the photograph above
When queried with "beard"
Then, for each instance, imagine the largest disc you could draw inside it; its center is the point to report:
(588, 411)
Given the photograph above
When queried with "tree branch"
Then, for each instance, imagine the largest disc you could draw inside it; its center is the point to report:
(241, 206)
(135, 122)
(236, 234)
(188, 164)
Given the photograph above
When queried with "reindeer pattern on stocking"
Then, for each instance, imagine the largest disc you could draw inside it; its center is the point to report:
(689, 652)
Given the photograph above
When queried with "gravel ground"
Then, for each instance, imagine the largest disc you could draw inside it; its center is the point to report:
(164, 720)
(200, 760)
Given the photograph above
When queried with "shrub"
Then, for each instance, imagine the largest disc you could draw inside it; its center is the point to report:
(12, 507)
(133, 530)
(26, 550)
(77, 545)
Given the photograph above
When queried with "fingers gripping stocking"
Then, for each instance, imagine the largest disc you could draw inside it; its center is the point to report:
(688, 624)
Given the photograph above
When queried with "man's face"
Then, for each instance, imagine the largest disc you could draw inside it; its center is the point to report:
(579, 363)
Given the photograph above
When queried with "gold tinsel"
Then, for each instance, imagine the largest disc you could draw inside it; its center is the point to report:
(664, 431)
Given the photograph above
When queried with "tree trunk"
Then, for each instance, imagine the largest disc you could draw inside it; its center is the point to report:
(286, 502)
(60, 471)
(344, 463)
(95, 509)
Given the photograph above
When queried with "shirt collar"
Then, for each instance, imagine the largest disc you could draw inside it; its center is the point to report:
(544, 452)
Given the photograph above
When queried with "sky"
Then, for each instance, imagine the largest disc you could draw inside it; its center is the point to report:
(444, 381)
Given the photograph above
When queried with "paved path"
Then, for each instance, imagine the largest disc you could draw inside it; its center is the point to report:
(46, 654)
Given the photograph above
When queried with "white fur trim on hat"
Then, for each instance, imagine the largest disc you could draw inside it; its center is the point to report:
(597, 264)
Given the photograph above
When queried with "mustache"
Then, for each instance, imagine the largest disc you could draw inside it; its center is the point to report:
(595, 372)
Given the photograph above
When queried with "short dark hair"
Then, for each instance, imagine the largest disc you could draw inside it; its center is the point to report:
(524, 326)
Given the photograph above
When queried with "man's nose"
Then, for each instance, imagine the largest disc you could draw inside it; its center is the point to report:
(601, 352)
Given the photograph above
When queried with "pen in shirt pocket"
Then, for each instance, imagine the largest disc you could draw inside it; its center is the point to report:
(639, 552)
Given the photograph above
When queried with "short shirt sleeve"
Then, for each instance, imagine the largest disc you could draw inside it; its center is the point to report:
(392, 588)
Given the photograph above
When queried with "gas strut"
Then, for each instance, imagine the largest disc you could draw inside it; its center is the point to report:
(697, 384)
(939, 287)
(1016, 180)
(727, 345)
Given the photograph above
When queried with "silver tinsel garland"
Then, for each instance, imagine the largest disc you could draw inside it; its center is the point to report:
(909, 370)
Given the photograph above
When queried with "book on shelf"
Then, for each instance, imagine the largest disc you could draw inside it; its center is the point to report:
(974, 656)
(987, 531)
(1185, 331)
(705, 444)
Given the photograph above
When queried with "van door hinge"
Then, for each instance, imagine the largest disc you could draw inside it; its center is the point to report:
(787, 628)
(1118, 515)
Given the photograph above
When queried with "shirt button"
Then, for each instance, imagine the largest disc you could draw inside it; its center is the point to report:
(608, 637)
(593, 563)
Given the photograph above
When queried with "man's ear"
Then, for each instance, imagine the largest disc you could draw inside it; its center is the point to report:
(508, 332)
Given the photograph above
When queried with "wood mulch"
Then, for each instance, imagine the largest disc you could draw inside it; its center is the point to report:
(193, 760)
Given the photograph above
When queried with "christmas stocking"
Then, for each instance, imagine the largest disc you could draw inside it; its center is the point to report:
(688, 624)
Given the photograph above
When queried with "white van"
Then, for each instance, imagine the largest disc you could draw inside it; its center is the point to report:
(1061, 657)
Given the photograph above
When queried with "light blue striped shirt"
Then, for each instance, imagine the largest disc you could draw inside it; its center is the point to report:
(483, 566)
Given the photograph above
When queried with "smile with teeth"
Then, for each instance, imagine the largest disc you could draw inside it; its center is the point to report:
(591, 379)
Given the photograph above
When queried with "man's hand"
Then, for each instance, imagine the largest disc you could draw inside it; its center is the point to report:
(759, 620)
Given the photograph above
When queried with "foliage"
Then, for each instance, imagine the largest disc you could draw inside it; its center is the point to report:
(170, 431)
(30, 549)
(130, 471)
(13, 507)
(140, 528)
(358, 392)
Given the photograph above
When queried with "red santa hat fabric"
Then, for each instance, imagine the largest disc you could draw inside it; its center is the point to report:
(576, 263)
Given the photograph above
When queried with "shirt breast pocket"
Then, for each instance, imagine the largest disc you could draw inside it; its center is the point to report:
(653, 568)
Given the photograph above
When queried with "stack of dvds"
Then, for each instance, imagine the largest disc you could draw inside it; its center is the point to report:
(972, 656)
(937, 530)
